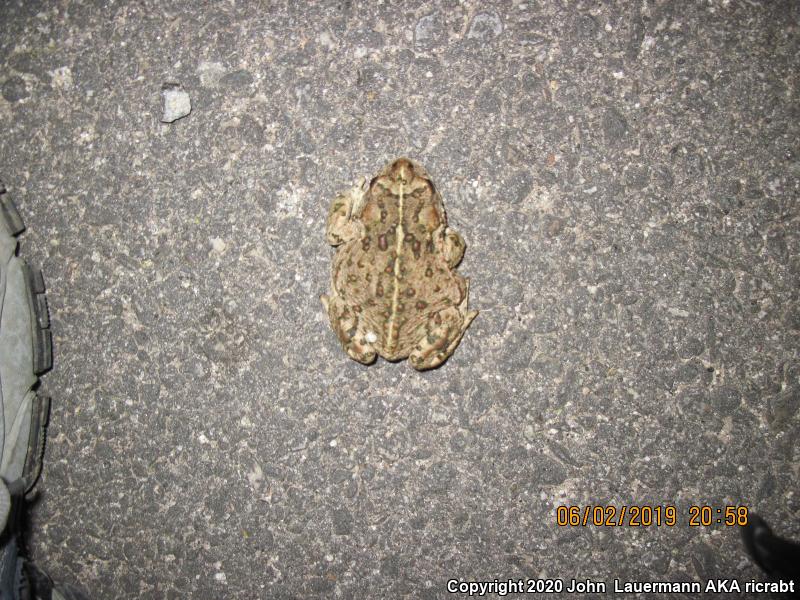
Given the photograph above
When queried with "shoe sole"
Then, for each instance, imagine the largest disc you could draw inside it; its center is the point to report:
(42, 348)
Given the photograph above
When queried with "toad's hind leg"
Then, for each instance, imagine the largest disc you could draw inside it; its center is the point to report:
(441, 335)
(345, 323)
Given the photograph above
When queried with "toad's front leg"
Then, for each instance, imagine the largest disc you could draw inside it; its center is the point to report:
(452, 247)
(343, 224)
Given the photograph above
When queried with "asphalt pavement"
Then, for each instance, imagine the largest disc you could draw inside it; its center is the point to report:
(625, 176)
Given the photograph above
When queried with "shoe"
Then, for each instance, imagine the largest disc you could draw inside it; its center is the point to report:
(26, 351)
(777, 557)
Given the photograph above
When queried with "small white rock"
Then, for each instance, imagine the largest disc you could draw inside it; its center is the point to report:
(175, 103)
(218, 245)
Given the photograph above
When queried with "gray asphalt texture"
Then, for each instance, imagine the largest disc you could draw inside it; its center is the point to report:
(626, 179)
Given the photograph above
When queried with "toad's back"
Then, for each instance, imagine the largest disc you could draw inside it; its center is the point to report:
(395, 274)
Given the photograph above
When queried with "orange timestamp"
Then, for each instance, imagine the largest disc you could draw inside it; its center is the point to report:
(650, 516)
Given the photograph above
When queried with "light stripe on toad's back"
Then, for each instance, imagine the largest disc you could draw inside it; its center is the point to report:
(391, 325)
